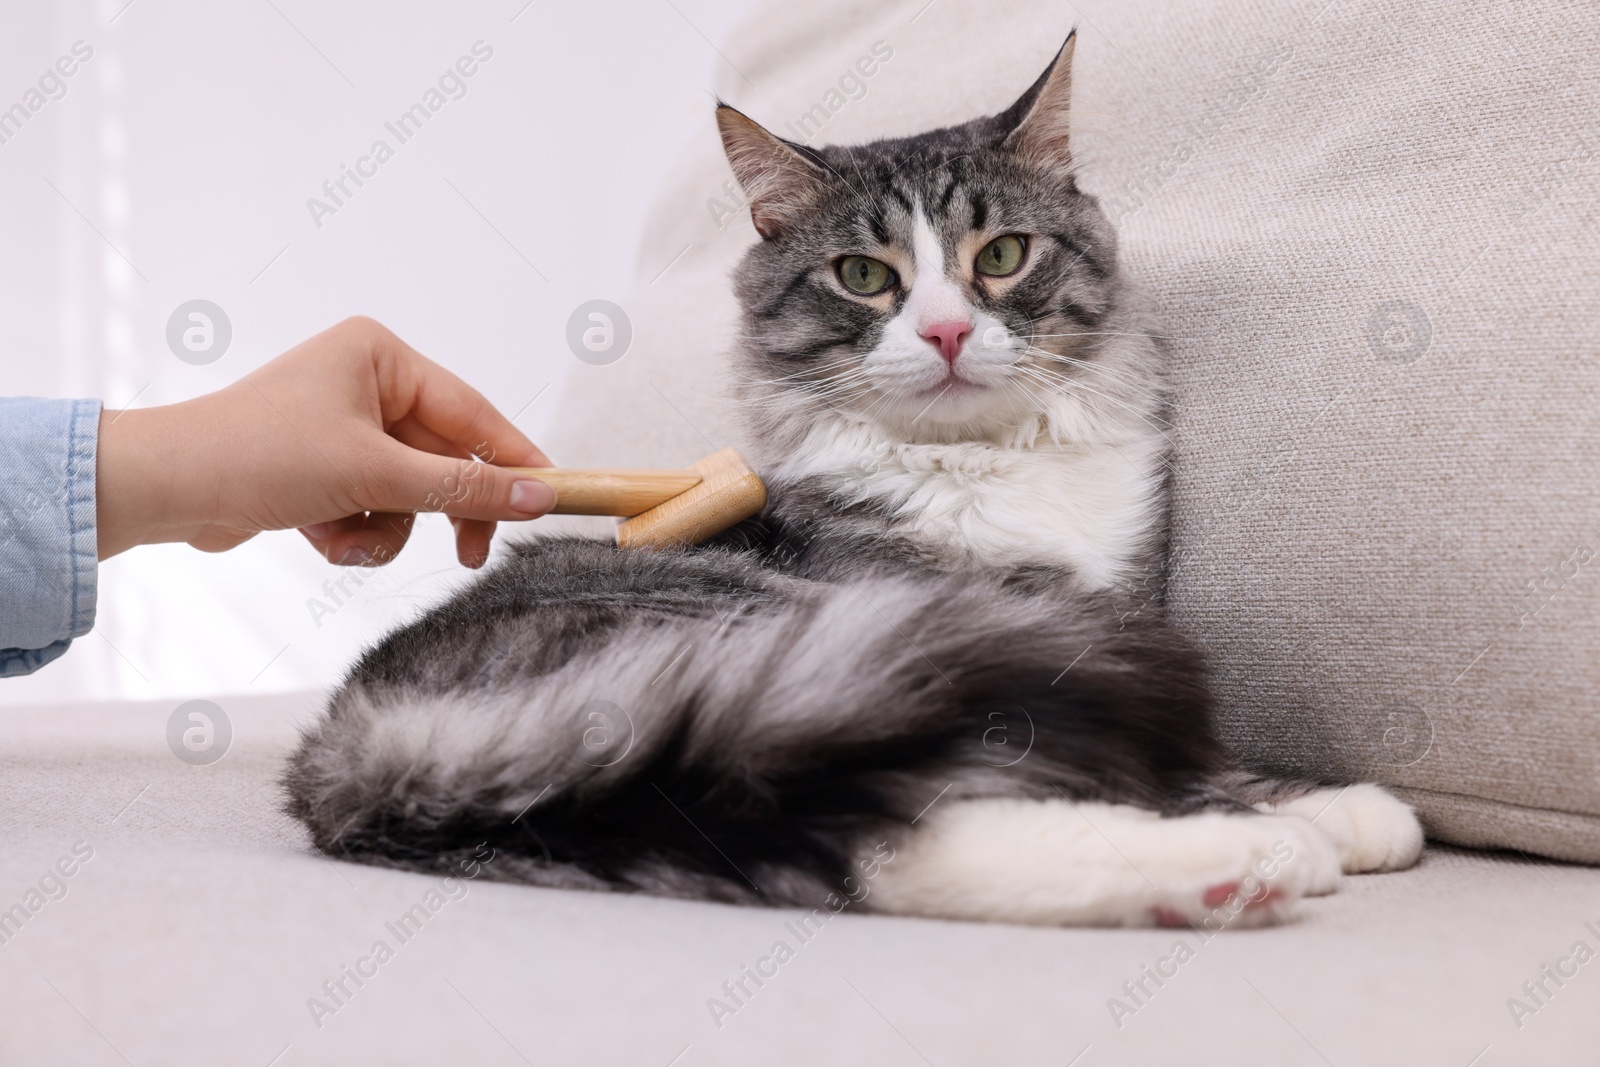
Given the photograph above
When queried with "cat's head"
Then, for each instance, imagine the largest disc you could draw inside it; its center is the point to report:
(942, 286)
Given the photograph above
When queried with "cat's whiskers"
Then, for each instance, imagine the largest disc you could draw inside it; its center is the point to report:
(839, 394)
(1073, 389)
(1031, 322)
(838, 363)
(1111, 373)
(825, 397)
(842, 383)
(1112, 333)
(1141, 389)
(1030, 336)
(1031, 345)
(885, 398)
(1063, 386)
(824, 382)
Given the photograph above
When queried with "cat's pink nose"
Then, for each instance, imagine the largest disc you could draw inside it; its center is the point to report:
(948, 336)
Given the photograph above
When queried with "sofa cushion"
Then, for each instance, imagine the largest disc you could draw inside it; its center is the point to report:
(1371, 233)
(197, 927)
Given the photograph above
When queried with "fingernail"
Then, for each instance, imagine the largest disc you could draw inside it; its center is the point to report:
(355, 557)
(317, 532)
(531, 497)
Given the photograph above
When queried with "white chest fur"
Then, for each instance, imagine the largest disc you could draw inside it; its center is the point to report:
(1088, 508)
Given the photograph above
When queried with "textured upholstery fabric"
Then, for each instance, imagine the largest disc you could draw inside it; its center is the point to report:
(1371, 230)
(1353, 531)
(202, 925)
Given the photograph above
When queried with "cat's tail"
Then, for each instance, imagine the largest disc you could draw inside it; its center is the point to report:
(754, 756)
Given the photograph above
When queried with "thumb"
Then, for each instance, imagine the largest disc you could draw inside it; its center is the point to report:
(463, 488)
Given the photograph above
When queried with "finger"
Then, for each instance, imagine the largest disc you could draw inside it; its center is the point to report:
(363, 540)
(411, 385)
(473, 537)
(386, 533)
(325, 537)
(413, 434)
(405, 479)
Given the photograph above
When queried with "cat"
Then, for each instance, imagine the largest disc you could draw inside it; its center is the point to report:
(934, 676)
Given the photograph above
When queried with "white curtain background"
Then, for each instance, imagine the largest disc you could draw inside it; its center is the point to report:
(178, 165)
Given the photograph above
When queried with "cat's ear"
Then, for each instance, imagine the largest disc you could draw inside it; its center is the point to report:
(1039, 121)
(778, 178)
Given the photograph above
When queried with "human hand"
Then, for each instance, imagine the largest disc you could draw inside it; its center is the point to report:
(346, 436)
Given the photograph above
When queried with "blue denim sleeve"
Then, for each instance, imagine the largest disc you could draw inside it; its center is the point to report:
(49, 553)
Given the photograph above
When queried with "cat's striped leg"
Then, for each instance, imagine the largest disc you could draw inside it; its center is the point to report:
(1054, 862)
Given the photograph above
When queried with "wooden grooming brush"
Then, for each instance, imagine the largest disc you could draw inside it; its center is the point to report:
(663, 508)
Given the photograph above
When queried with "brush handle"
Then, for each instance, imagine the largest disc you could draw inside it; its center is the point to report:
(623, 493)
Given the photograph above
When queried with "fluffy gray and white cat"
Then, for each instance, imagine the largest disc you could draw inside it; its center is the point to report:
(934, 676)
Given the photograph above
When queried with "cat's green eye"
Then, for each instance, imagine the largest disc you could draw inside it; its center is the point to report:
(1001, 256)
(865, 276)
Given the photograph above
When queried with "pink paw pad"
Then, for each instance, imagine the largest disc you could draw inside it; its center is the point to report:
(1265, 895)
(1215, 897)
(1219, 895)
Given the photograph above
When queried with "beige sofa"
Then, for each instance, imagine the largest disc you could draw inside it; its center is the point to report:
(1372, 233)
(1370, 228)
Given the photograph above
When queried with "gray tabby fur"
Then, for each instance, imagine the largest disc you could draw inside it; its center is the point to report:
(742, 720)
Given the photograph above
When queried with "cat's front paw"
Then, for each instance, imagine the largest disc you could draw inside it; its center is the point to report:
(1056, 862)
(1242, 871)
(1372, 829)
